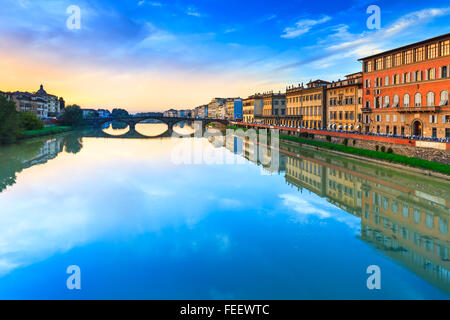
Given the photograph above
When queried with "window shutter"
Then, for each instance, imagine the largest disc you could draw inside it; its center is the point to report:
(440, 73)
(420, 75)
(431, 119)
(426, 75)
(414, 77)
(443, 119)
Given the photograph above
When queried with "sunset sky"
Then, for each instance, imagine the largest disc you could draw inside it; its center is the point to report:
(153, 55)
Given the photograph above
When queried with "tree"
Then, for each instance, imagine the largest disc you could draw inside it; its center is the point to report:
(10, 129)
(72, 116)
(119, 113)
(30, 121)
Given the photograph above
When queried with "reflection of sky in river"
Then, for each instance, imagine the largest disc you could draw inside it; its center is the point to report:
(142, 227)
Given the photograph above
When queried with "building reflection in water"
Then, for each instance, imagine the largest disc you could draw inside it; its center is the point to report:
(404, 216)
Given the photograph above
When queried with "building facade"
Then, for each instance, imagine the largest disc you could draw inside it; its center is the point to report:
(306, 106)
(406, 90)
(216, 108)
(274, 107)
(233, 109)
(344, 103)
(252, 107)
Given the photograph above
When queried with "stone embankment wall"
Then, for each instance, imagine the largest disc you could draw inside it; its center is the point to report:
(431, 154)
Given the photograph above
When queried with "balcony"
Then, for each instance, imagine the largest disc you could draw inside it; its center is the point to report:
(418, 109)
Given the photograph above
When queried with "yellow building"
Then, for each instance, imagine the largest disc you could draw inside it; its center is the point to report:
(306, 106)
(252, 106)
(344, 103)
(274, 107)
(216, 108)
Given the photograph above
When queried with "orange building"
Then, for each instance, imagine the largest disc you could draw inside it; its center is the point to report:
(406, 90)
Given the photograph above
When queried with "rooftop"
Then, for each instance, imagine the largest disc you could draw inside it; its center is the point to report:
(412, 45)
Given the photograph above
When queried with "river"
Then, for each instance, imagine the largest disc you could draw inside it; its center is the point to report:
(187, 218)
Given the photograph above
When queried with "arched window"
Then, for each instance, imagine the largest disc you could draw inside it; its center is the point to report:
(418, 100)
(396, 101)
(386, 102)
(406, 100)
(430, 99)
(444, 98)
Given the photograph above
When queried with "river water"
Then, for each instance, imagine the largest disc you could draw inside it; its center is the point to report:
(187, 218)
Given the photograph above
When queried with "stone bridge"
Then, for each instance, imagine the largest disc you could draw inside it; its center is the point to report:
(131, 121)
(170, 121)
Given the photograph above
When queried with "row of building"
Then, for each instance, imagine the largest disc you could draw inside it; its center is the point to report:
(400, 92)
(41, 103)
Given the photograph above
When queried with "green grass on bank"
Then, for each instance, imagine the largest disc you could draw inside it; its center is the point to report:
(45, 131)
(390, 157)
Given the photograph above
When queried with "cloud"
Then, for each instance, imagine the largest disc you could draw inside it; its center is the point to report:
(341, 45)
(302, 27)
(304, 208)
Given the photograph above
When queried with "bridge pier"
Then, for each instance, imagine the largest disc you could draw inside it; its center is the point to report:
(132, 126)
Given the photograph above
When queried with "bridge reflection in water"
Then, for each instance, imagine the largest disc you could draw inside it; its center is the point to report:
(404, 216)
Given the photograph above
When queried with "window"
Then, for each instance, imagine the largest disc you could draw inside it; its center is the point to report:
(388, 62)
(418, 100)
(430, 99)
(379, 64)
(386, 102)
(444, 72)
(445, 48)
(418, 75)
(419, 54)
(386, 80)
(405, 211)
(396, 101)
(432, 52)
(406, 100)
(408, 56)
(444, 98)
(431, 74)
(398, 59)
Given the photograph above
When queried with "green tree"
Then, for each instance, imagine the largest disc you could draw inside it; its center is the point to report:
(72, 116)
(10, 129)
(30, 121)
(119, 113)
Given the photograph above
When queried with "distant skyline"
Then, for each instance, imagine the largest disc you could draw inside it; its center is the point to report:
(154, 55)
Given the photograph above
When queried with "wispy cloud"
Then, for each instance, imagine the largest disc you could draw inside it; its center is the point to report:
(341, 44)
(303, 26)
